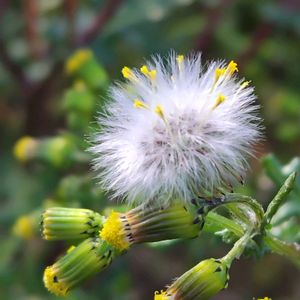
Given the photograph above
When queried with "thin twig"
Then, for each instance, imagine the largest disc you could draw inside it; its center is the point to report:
(214, 16)
(260, 35)
(70, 9)
(99, 22)
(31, 15)
(37, 119)
(263, 32)
(15, 71)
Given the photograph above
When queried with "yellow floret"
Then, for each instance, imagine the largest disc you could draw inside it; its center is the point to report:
(232, 67)
(113, 232)
(218, 73)
(52, 283)
(77, 60)
(221, 98)
(140, 104)
(162, 295)
(159, 110)
(127, 73)
(24, 148)
(180, 59)
(149, 73)
(228, 71)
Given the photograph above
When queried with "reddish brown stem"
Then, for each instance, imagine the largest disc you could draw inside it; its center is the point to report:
(214, 16)
(258, 38)
(70, 7)
(14, 69)
(31, 25)
(99, 22)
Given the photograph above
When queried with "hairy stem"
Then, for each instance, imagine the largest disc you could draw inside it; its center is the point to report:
(280, 197)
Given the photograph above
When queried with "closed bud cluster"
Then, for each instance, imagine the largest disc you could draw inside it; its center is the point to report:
(56, 151)
(83, 65)
(59, 223)
(81, 262)
(79, 104)
(200, 283)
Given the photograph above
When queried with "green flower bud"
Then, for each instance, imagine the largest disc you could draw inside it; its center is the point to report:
(81, 262)
(60, 223)
(79, 99)
(79, 105)
(84, 66)
(203, 281)
(57, 151)
(25, 148)
(147, 224)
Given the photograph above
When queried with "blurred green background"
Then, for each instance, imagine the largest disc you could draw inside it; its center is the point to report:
(39, 98)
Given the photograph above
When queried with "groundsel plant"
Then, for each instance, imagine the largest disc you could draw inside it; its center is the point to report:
(175, 129)
(174, 139)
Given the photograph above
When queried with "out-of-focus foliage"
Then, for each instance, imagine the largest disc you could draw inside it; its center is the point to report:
(56, 105)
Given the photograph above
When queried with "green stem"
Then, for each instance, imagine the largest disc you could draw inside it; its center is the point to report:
(237, 249)
(247, 201)
(280, 197)
(223, 223)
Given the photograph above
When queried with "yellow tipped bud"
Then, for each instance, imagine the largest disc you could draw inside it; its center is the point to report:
(113, 232)
(58, 288)
(77, 60)
(140, 104)
(232, 67)
(221, 98)
(127, 73)
(24, 227)
(149, 73)
(88, 258)
(59, 223)
(159, 110)
(24, 148)
(203, 281)
(266, 298)
(144, 225)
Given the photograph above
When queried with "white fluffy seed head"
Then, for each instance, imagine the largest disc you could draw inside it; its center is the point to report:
(176, 130)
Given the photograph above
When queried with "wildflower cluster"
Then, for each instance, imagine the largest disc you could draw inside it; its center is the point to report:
(174, 140)
(105, 238)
